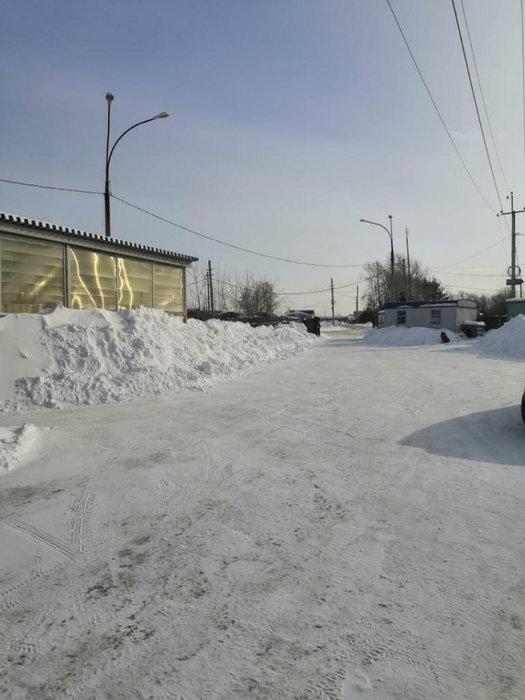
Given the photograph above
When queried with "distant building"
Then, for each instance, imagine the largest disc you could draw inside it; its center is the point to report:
(451, 314)
(301, 313)
(515, 307)
(43, 264)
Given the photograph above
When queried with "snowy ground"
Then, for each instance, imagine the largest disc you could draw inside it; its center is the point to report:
(344, 523)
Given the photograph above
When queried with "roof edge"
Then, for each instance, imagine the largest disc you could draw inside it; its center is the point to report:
(86, 235)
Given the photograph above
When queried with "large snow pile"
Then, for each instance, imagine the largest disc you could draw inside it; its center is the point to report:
(68, 357)
(509, 340)
(400, 336)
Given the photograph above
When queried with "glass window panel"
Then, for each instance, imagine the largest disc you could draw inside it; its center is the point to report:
(31, 273)
(168, 288)
(92, 280)
(134, 287)
(435, 317)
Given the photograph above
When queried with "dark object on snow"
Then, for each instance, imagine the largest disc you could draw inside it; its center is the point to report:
(313, 324)
(444, 337)
(523, 407)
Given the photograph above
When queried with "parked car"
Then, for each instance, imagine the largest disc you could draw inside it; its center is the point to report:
(523, 407)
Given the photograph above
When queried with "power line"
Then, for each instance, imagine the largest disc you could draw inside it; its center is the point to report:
(523, 74)
(475, 289)
(483, 96)
(437, 109)
(467, 274)
(493, 245)
(49, 187)
(216, 240)
(326, 289)
(476, 104)
(313, 291)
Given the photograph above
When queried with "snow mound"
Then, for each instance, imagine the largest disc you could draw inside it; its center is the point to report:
(69, 357)
(509, 340)
(15, 443)
(399, 336)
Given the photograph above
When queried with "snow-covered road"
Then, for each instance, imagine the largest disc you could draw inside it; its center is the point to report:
(347, 523)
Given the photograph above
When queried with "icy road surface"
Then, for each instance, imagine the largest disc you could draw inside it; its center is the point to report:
(348, 523)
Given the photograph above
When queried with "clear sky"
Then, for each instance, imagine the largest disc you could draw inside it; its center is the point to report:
(289, 121)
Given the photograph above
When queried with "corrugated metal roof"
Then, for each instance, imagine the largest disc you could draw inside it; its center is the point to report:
(85, 236)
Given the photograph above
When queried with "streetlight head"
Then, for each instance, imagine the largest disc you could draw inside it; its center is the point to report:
(109, 97)
(162, 115)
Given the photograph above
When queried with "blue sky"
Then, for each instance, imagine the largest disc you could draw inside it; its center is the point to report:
(289, 121)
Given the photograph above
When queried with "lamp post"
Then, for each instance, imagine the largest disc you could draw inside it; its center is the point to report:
(391, 236)
(109, 153)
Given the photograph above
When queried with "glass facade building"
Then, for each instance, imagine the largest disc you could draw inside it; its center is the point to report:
(42, 265)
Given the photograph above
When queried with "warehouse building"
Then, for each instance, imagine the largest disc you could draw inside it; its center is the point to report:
(43, 264)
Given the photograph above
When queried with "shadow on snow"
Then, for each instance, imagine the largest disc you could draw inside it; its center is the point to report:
(496, 436)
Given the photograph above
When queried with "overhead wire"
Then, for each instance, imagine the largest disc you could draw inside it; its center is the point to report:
(493, 245)
(69, 189)
(476, 104)
(437, 109)
(313, 291)
(483, 96)
(49, 187)
(523, 73)
(229, 245)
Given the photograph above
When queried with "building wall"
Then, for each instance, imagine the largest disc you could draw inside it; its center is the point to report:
(466, 314)
(36, 274)
(450, 317)
(515, 308)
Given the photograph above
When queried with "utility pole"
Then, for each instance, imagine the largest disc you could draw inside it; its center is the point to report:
(357, 301)
(404, 277)
(210, 287)
(333, 302)
(408, 266)
(513, 269)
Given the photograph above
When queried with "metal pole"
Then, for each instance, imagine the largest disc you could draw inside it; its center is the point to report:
(392, 287)
(333, 302)
(513, 248)
(107, 213)
(408, 265)
(211, 286)
(109, 154)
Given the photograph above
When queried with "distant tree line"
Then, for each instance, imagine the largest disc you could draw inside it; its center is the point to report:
(415, 284)
(243, 294)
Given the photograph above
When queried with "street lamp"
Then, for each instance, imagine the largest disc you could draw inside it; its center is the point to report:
(390, 234)
(109, 153)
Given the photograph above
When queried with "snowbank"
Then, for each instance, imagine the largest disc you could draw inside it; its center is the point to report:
(68, 357)
(509, 340)
(15, 443)
(400, 336)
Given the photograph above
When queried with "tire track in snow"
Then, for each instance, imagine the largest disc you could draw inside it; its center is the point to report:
(41, 536)
(81, 510)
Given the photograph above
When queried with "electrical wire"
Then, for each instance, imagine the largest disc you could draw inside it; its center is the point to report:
(229, 245)
(493, 245)
(314, 291)
(437, 109)
(49, 187)
(482, 95)
(523, 74)
(467, 274)
(475, 289)
(476, 104)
